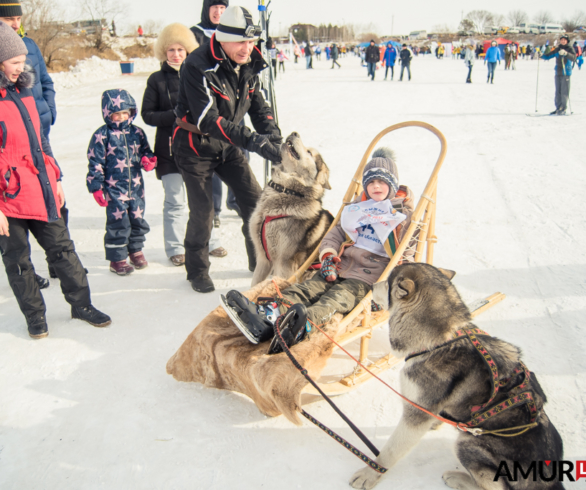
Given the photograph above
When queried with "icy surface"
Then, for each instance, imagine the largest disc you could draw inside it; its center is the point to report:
(94, 408)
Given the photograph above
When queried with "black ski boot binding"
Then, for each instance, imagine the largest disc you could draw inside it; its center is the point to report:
(292, 326)
(254, 321)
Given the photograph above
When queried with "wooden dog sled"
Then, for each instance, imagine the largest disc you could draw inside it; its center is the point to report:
(217, 355)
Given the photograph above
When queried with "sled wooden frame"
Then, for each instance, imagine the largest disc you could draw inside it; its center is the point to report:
(361, 321)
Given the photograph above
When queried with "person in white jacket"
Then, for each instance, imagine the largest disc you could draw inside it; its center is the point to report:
(469, 60)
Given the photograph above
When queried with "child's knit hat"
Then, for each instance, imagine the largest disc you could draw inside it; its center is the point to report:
(10, 8)
(11, 45)
(382, 167)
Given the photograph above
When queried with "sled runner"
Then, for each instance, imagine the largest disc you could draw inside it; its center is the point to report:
(218, 355)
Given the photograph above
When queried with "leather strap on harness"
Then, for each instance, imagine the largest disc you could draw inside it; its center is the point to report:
(263, 236)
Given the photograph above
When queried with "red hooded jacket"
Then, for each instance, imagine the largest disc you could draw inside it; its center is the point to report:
(28, 171)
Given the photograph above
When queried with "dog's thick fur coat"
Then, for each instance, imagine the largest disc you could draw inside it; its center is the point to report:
(291, 240)
(425, 311)
(217, 355)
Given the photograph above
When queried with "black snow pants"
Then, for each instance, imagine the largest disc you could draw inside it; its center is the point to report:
(234, 170)
(54, 239)
(323, 298)
(562, 92)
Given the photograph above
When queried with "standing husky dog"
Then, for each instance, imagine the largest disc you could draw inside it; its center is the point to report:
(449, 378)
(289, 220)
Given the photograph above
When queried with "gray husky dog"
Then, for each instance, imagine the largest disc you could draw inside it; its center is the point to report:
(451, 378)
(289, 220)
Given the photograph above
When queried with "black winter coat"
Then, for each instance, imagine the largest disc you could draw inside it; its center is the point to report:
(372, 54)
(158, 104)
(405, 55)
(215, 99)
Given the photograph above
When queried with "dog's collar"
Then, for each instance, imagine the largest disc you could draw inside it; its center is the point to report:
(459, 335)
(284, 190)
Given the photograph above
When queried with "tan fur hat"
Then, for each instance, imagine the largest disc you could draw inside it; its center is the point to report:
(174, 34)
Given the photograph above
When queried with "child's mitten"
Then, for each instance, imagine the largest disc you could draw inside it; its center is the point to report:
(149, 163)
(329, 267)
(99, 197)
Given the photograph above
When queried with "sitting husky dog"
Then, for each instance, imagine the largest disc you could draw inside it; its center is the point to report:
(449, 377)
(289, 220)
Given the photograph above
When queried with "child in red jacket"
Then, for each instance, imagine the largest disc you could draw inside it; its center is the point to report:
(31, 198)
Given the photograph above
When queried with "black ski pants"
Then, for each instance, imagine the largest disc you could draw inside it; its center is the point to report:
(408, 71)
(54, 239)
(562, 92)
(323, 298)
(233, 168)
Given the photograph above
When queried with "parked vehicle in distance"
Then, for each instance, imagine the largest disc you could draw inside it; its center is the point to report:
(551, 28)
(413, 36)
(528, 28)
(580, 29)
(88, 26)
(490, 30)
(514, 30)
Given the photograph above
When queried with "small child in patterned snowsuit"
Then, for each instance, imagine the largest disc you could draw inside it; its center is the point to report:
(117, 153)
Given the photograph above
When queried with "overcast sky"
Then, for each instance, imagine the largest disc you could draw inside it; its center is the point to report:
(408, 15)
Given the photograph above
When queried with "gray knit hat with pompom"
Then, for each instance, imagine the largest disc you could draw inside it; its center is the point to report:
(382, 167)
(11, 44)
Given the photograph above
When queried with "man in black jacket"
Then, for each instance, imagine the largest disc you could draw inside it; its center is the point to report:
(219, 85)
(372, 57)
(406, 55)
(211, 12)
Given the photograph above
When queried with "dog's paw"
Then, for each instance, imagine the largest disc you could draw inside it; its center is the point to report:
(459, 480)
(365, 479)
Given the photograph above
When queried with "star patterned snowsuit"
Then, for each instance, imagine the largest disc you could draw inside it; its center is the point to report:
(114, 153)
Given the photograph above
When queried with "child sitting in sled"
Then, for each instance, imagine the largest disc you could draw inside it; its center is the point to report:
(117, 153)
(353, 256)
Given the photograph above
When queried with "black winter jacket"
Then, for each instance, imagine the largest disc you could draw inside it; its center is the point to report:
(204, 30)
(372, 54)
(158, 104)
(405, 55)
(215, 99)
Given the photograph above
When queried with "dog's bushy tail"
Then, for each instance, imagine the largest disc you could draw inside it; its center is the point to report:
(384, 152)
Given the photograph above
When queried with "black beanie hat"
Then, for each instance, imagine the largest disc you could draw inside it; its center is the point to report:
(10, 8)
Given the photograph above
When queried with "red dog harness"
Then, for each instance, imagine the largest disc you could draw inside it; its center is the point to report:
(263, 235)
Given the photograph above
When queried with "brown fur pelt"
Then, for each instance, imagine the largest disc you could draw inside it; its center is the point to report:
(217, 355)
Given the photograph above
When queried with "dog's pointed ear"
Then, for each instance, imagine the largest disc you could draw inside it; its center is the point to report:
(447, 272)
(404, 288)
(323, 172)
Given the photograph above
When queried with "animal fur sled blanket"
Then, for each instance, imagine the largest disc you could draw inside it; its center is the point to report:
(217, 355)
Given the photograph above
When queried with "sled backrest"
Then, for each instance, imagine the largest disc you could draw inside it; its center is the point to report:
(422, 225)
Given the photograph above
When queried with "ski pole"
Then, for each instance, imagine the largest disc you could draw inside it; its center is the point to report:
(537, 87)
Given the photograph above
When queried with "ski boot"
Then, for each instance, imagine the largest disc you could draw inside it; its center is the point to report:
(253, 320)
(293, 326)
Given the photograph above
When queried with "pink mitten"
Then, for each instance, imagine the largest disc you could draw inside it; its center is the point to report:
(149, 163)
(99, 197)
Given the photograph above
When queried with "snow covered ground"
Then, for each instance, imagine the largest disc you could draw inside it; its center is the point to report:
(94, 408)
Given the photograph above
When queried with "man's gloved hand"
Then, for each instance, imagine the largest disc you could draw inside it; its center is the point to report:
(261, 144)
(562, 52)
(148, 163)
(99, 197)
(276, 139)
(329, 267)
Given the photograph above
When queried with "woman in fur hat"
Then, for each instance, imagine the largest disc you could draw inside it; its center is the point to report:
(175, 42)
(32, 198)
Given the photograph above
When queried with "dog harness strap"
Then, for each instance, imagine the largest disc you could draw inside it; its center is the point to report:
(263, 236)
(356, 452)
(284, 190)
(491, 366)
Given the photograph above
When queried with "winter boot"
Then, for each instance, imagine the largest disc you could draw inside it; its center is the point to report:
(37, 327)
(293, 326)
(42, 282)
(121, 268)
(52, 273)
(138, 260)
(254, 321)
(202, 284)
(91, 315)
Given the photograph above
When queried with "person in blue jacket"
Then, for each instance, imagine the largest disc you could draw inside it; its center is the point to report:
(565, 57)
(43, 91)
(389, 57)
(493, 54)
